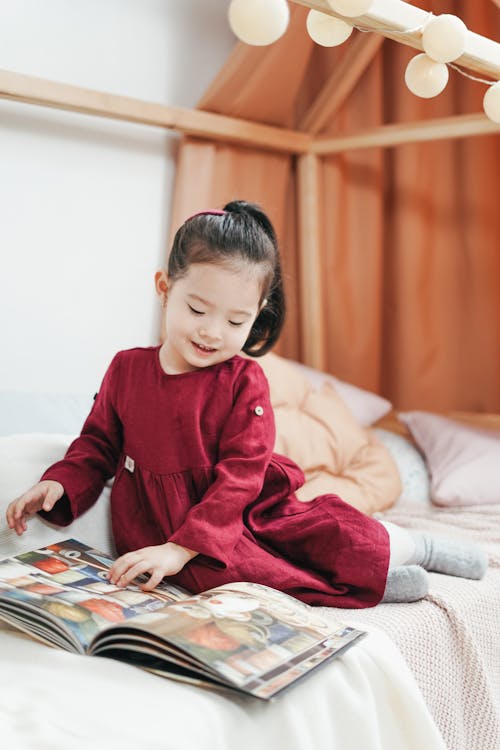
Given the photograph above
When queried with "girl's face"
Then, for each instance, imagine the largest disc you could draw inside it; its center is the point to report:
(208, 314)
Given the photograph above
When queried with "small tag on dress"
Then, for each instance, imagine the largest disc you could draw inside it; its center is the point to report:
(129, 464)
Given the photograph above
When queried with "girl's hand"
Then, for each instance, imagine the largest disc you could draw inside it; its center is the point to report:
(159, 561)
(43, 496)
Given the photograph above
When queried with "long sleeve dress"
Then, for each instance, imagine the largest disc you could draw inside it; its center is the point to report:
(192, 455)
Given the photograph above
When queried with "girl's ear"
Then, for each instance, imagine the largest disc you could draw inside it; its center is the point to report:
(161, 283)
(161, 286)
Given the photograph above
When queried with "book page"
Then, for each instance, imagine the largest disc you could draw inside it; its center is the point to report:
(62, 595)
(249, 636)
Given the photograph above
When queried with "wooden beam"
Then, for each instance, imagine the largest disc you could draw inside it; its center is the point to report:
(387, 136)
(310, 273)
(359, 54)
(23, 88)
(392, 18)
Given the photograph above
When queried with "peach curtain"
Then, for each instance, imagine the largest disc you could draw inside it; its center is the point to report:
(410, 236)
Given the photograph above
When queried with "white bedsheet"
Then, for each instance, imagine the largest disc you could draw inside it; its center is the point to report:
(52, 700)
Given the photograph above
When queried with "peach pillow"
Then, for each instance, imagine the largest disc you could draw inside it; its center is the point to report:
(291, 380)
(464, 462)
(336, 454)
(317, 430)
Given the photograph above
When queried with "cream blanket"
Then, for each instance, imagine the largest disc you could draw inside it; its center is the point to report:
(367, 699)
(450, 639)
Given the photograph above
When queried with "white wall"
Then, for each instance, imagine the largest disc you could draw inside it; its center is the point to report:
(84, 202)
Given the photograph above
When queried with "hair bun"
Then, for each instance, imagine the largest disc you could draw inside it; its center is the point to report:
(252, 211)
(239, 207)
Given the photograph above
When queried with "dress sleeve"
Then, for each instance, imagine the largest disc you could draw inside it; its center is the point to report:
(92, 458)
(214, 525)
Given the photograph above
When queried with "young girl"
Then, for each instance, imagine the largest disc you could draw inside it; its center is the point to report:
(188, 431)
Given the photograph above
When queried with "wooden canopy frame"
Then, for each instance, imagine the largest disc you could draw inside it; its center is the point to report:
(389, 19)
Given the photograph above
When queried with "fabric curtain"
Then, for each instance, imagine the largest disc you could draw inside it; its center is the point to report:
(410, 236)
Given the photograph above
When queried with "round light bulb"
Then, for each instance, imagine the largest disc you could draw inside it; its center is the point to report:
(350, 8)
(327, 30)
(258, 22)
(444, 38)
(491, 102)
(425, 77)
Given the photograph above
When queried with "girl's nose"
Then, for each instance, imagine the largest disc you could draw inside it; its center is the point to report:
(210, 333)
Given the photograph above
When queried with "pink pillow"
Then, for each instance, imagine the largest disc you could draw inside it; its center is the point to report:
(367, 407)
(464, 462)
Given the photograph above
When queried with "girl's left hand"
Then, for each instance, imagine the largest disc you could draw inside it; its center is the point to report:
(159, 561)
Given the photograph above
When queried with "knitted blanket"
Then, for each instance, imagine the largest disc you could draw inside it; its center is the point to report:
(450, 639)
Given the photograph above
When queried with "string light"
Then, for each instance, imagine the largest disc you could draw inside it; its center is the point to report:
(444, 38)
(258, 22)
(326, 30)
(491, 102)
(426, 77)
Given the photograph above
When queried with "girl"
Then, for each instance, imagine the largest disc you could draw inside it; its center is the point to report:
(188, 431)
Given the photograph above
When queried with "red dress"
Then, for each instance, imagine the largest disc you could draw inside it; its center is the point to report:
(193, 460)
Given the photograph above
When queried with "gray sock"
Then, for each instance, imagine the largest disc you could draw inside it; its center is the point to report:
(449, 557)
(406, 583)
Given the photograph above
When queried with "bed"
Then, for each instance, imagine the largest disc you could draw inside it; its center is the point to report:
(428, 673)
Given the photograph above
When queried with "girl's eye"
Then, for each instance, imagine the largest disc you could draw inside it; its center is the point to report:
(233, 323)
(195, 312)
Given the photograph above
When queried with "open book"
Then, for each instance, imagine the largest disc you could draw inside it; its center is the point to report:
(243, 636)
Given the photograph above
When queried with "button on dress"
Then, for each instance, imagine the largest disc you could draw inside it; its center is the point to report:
(192, 455)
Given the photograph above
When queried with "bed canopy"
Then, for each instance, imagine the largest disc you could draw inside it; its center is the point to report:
(385, 204)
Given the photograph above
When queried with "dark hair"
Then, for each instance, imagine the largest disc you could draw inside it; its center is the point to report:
(242, 232)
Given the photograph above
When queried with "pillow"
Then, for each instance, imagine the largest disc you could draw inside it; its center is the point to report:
(317, 430)
(412, 468)
(24, 412)
(464, 462)
(367, 407)
(23, 458)
(335, 453)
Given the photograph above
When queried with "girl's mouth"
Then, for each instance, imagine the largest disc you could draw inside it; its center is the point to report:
(203, 349)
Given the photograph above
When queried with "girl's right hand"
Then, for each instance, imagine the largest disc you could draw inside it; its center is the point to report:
(43, 496)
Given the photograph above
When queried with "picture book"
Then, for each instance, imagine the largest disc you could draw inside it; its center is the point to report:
(242, 636)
